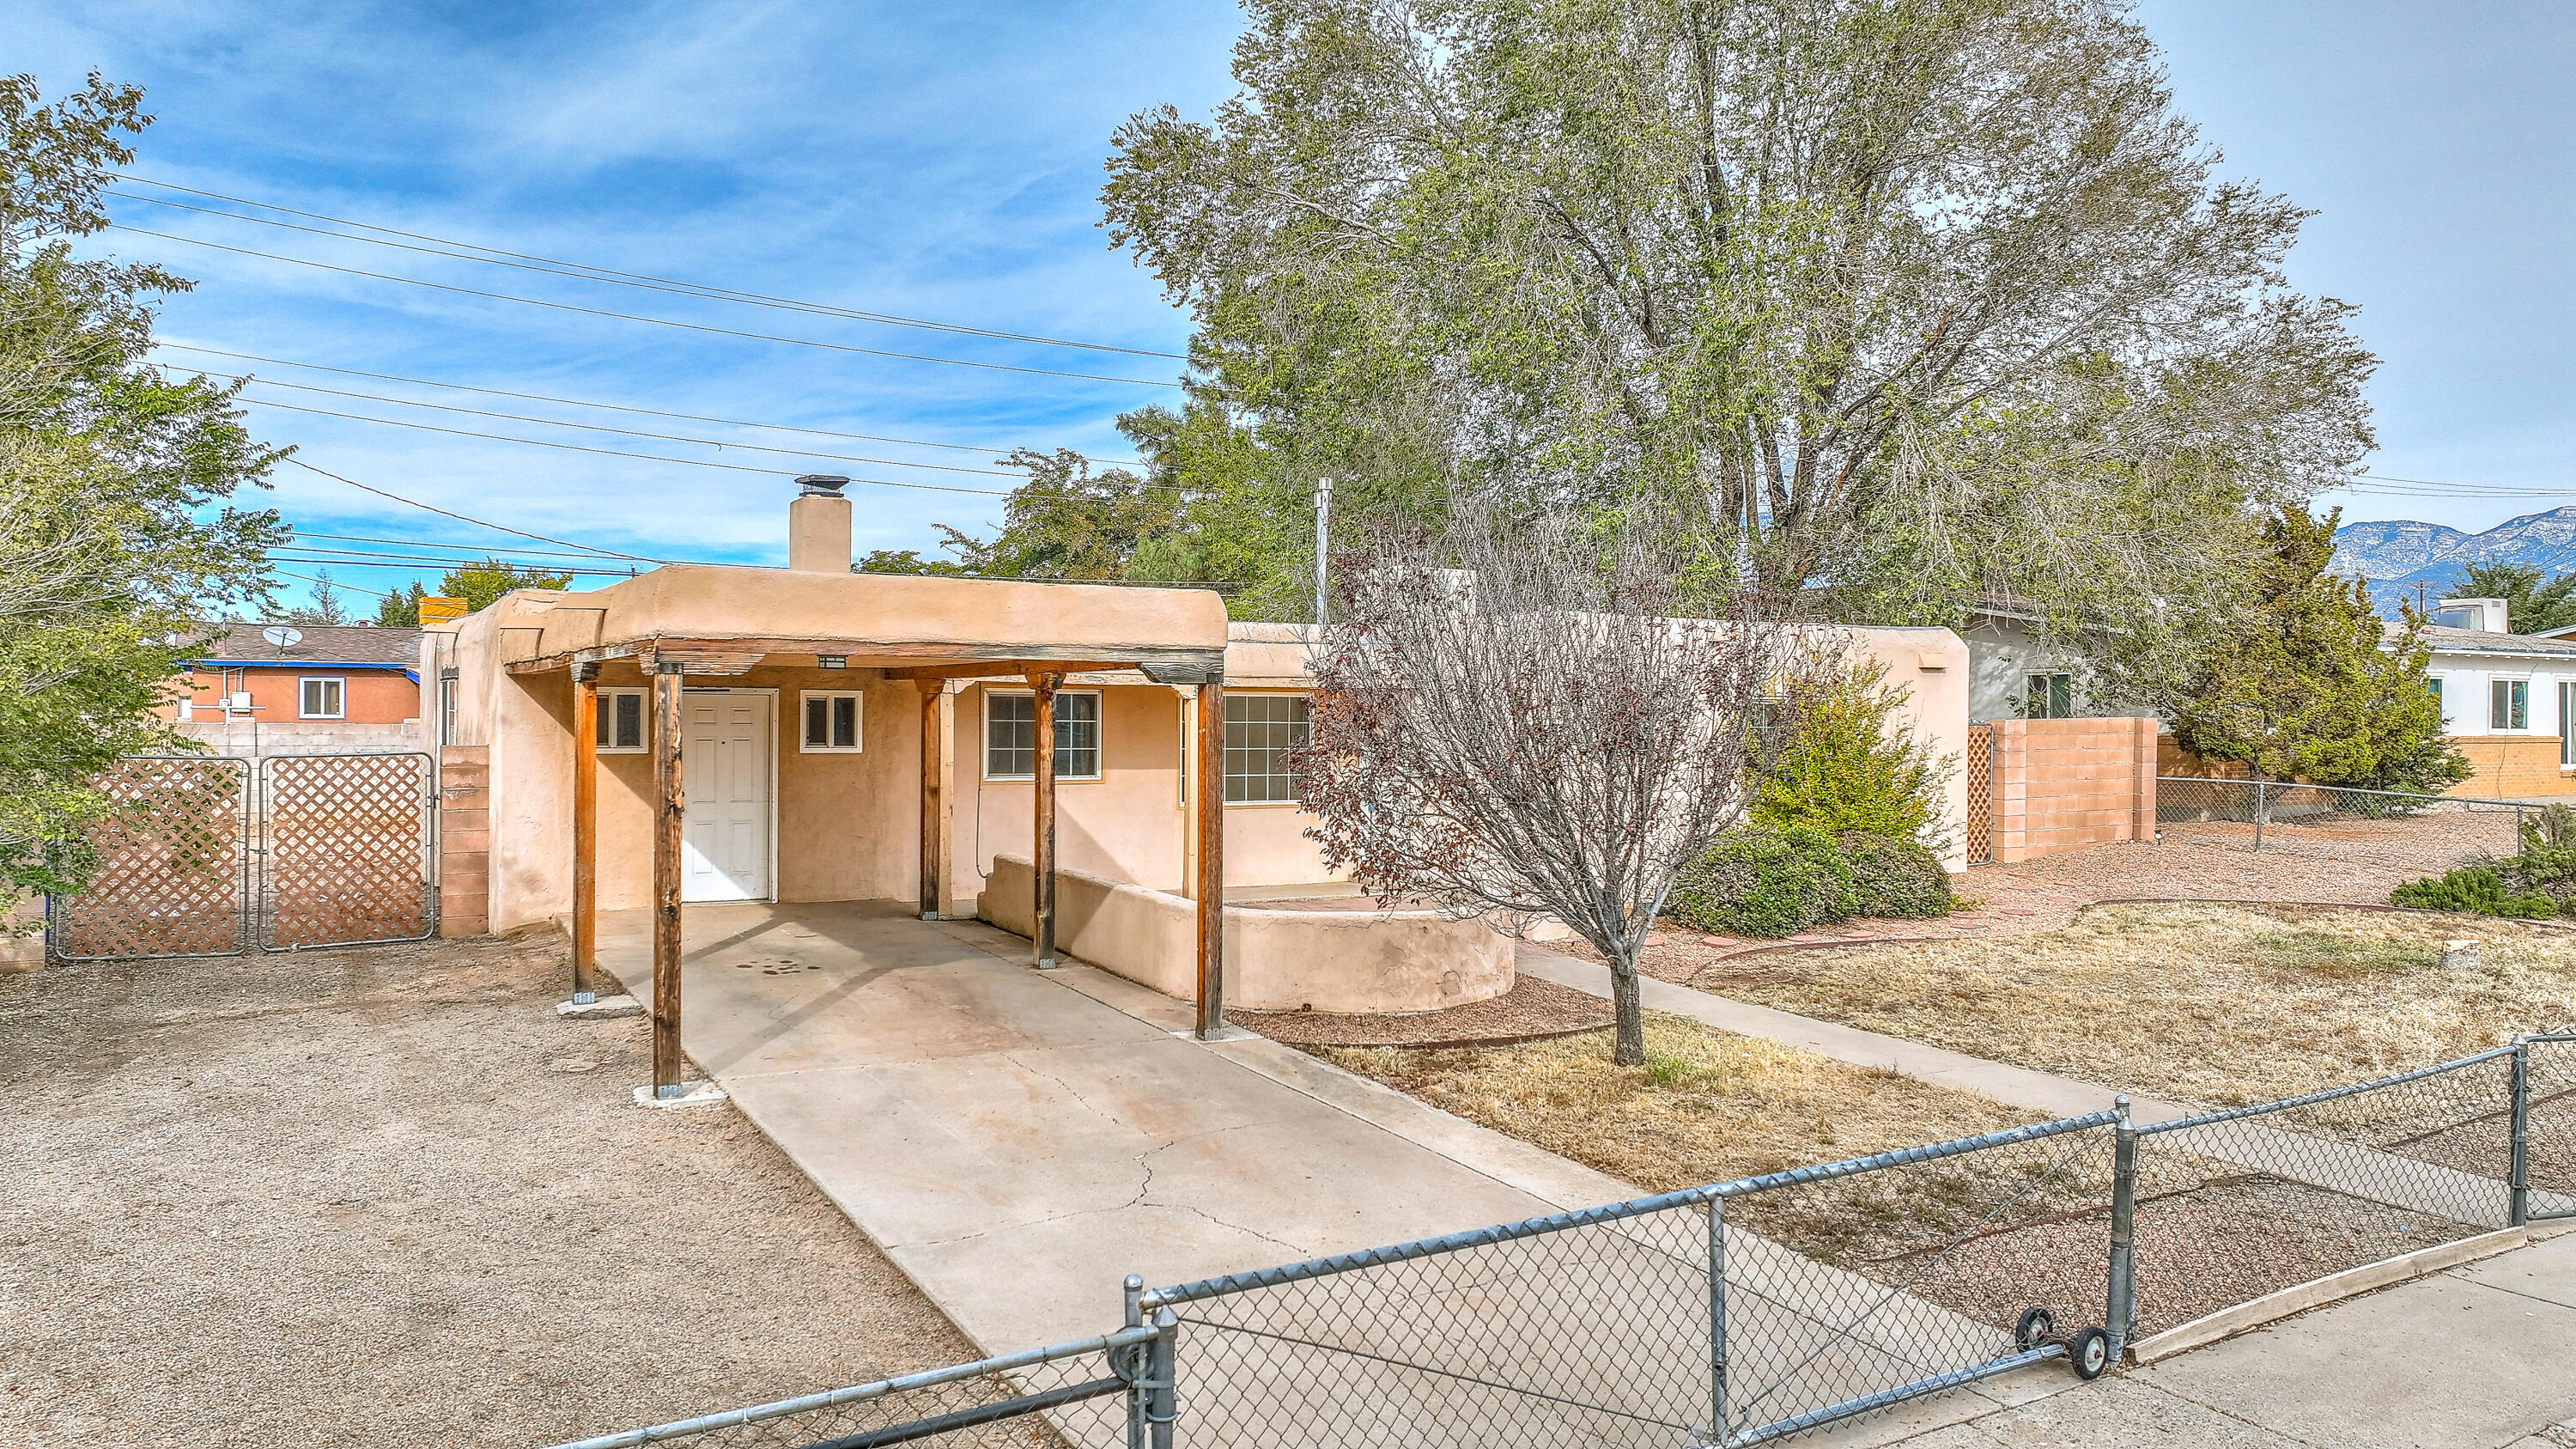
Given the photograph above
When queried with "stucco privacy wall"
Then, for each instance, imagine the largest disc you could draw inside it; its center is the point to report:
(1931, 665)
(1274, 960)
(2063, 784)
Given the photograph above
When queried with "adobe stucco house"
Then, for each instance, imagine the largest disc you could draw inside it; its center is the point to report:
(1099, 760)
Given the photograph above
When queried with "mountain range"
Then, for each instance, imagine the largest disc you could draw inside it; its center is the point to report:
(2398, 554)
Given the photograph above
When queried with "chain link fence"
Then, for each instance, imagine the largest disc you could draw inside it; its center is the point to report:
(1758, 1310)
(2425, 833)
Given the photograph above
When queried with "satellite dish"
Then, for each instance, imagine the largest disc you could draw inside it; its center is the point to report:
(283, 636)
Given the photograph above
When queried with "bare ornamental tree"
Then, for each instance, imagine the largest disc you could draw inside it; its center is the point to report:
(1537, 732)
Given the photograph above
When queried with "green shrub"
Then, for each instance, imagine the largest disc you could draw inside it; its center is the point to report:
(2475, 888)
(1759, 881)
(1849, 763)
(1899, 877)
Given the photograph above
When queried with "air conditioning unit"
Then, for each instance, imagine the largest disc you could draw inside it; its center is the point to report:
(237, 703)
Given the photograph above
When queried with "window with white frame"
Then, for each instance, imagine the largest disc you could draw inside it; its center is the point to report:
(832, 720)
(1260, 731)
(321, 698)
(2508, 704)
(2566, 713)
(621, 722)
(1011, 734)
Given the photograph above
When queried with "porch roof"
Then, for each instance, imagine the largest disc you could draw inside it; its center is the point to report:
(718, 619)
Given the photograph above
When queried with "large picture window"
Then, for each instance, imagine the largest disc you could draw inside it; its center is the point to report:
(2509, 704)
(621, 722)
(1260, 731)
(321, 698)
(1011, 735)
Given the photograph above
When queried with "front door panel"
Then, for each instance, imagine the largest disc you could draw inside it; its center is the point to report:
(725, 764)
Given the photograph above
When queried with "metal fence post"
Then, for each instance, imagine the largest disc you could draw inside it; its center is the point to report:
(2518, 1165)
(1717, 1320)
(2120, 1301)
(1162, 1378)
(1132, 1370)
(2261, 808)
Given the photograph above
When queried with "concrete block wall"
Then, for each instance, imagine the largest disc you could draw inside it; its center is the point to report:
(464, 839)
(2063, 784)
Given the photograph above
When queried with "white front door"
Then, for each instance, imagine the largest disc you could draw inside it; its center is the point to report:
(726, 741)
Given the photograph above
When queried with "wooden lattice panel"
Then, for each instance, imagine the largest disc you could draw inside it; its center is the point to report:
(347, 857)
(1980, 773)
(170, 876)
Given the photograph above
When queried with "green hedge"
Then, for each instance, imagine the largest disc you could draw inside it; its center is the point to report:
(1772, 882)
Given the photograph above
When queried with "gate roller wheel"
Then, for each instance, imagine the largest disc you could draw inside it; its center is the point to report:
(2090, 1353)
(2035, 1328)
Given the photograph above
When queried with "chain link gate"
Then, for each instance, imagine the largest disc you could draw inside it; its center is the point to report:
(213, 856)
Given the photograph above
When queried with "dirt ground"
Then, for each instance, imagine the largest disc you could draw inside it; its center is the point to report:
(2217, 1004)
(386, 1196)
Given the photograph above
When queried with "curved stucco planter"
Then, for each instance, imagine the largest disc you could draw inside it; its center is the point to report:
(1274, 960)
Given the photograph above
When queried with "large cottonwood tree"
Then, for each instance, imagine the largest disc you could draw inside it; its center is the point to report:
(1920, 297)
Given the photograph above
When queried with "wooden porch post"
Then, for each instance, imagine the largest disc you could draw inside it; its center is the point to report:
(1211, 858)
(669, 806)
(585, 833)
(1042, 855)
(933, 859)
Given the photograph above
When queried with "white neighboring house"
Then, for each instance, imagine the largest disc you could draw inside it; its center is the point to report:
(2508, 700)
(2013, 674)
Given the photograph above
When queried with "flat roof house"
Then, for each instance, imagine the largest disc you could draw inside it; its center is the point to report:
(717, 733)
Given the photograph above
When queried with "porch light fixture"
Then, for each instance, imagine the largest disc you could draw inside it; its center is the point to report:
(825, 485)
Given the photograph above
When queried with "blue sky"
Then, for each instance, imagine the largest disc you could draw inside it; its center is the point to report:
(942, 162)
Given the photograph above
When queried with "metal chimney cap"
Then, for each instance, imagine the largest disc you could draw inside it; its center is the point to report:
(827, 485)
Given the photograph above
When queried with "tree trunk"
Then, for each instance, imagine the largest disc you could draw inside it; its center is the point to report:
(1628, 1006)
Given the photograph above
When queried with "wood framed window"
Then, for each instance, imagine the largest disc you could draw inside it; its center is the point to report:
(1011, 734)
(1260, 732)
(833, 720)
(2508, 704)
(621, 722)
(321, 697)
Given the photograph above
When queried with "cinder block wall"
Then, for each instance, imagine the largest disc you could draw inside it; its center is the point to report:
(2063, 784)
(464, 839)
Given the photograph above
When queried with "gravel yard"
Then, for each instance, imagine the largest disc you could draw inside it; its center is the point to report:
(1532, 1010)
(386, 1196)
(2216, 1004)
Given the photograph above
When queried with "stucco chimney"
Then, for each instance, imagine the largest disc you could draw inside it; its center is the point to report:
(818, 526)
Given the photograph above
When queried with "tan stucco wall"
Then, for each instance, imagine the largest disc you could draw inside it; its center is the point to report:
(1274, 960)
(1936, 707)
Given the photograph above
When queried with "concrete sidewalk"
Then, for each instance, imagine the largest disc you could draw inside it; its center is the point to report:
(2480, 1357)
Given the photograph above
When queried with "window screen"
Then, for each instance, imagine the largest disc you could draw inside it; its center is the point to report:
(320, 699)
(2509, 704)
(831, 721)
(1260, 730)
(621, 719)
(1011, 736)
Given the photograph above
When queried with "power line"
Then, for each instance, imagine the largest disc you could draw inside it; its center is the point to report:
(331, 584)
(613, 453)
(434, 566)
(486, 548)
(465, 518)
(612, 407)
(635, 317)
(587, 272)
(603, 428)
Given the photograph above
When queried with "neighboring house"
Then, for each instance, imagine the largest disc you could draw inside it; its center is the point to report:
(2015, 674)
(2508, 700)
(845, 736)
(267, 689)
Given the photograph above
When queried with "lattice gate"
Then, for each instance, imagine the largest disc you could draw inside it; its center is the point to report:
(1980, 773)
(206, 856)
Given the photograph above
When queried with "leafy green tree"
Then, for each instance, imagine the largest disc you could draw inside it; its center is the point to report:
(1924, 298)
(2535, 600)
(2310, 684)
(480, 585)
(1849, 763)
(326, 607)
(117, 529)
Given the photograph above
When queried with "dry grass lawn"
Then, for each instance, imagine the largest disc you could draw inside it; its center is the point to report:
(1709, 1106)
(2223, 1005)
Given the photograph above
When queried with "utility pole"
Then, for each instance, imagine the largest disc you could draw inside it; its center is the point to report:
(1323, 539)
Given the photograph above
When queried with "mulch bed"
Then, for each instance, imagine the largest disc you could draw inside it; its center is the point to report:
(1533, 1010)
